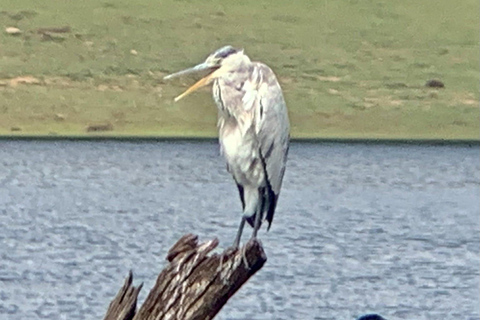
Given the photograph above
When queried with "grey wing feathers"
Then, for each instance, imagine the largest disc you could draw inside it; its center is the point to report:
(272, 127)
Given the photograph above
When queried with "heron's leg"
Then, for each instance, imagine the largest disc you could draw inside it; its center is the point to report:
(251, 206)
(236, 243)
(257, 222)
(258, 217)
(256, 226)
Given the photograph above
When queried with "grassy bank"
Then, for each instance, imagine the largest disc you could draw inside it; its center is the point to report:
(348, 68)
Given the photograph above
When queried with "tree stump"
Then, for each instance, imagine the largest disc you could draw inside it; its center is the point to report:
(194, 285)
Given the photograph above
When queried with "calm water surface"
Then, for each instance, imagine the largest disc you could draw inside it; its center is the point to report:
(359, 228)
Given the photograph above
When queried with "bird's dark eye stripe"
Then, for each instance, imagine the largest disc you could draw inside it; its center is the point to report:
(225, 52)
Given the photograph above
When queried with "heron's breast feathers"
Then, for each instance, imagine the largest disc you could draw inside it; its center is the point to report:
(242, 154)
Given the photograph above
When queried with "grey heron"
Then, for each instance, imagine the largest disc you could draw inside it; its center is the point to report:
(253, 129)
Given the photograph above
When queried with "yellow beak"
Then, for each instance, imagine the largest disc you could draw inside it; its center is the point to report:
(217, 71)
(200, 83)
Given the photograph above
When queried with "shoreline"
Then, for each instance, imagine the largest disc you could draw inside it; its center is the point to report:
(140, 138)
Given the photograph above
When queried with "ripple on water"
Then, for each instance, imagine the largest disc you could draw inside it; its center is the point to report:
(359, 228)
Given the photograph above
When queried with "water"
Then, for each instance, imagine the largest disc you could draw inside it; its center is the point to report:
(359, 228)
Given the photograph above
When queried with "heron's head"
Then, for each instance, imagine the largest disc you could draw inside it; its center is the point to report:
(217, 64)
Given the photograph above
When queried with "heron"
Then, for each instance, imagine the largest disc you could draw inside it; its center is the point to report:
(254, 129)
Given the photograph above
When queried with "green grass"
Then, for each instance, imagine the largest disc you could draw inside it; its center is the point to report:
(349, 69)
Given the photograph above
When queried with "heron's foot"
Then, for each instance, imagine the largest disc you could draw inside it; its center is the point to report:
(244, 256)
(243, 253)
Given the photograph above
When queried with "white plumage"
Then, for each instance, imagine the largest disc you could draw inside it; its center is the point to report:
(253, 129)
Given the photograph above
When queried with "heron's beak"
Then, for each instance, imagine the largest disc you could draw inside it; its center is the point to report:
(199, 67)
(200, 83)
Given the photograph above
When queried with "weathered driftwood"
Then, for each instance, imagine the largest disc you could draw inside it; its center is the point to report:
(124, 305)
(194, 285)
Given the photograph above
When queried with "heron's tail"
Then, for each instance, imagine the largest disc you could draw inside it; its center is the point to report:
(251, 220)
(267, 207)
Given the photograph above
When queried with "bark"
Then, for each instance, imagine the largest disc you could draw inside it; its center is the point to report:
(194, 285)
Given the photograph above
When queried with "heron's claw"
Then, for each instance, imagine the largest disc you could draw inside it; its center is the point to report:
(244, 256)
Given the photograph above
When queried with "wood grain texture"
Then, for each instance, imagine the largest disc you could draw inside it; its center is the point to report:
(194, 285)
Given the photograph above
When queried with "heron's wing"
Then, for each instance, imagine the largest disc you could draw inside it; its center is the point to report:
(273, 131)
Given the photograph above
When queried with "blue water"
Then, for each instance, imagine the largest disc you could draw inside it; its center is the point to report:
(359, 228)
